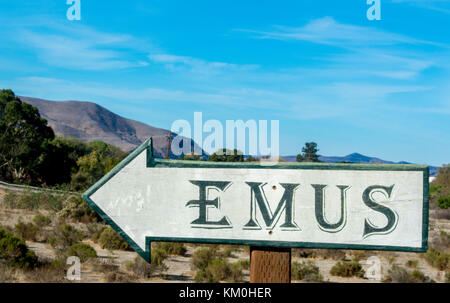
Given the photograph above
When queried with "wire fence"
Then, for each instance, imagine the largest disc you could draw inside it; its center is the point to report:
(17, 187)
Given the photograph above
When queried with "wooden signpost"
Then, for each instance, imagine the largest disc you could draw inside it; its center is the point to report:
(271, 208)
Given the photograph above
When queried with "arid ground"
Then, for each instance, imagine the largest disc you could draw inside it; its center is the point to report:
(113, 265)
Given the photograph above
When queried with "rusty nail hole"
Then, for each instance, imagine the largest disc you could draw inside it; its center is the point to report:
(274, 187)
(270, 232)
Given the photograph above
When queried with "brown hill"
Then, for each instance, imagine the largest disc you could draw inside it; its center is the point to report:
(88, 122)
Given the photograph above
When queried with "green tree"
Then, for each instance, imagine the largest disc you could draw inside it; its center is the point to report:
(440, 188)
(191, 156)
(14, 252)
(443, 180)
(309, 153)
(57, 162)
(250, 158)
(23, 134)
(225, 155)
(94, 165)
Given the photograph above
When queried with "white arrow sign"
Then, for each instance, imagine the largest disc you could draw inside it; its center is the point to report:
(313, 205)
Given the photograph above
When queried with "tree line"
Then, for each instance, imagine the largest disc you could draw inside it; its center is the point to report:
(30, 153)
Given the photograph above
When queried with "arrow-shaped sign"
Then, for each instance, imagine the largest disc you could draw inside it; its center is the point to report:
(313, 205)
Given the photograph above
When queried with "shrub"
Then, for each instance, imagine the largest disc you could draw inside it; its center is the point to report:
(7, 229)
(391, 259)
(48, 271)
(14, 252)
(202, 257)
(412, 263)
(64, 236)
(217, 270)
(75, 208)
(213, 268)
(109, 239)
(172, 248)
(27, 231)
(41, 220)
(347, 269)
(245, 264)
(334, 254)
(306, 270)
(9, 199)
(82, 251)
(437, 259)
(158, 256)
(435, 189)
(104, 265)
(444, 202)
(399, 274)
(118, 277)
(235, 274)
(445, 237)
(35, 200)
(228, 251)
(441, 242)
(95, 230)
(419, 277)
(358, 255)
(220, 270)
(144, 269)
(6, 273)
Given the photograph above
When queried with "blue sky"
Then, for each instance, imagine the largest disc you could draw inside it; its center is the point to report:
(327, 73)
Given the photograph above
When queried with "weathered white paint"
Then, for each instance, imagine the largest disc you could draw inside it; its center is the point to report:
(151, 202)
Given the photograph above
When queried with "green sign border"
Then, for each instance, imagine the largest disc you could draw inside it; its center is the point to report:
(152, 162)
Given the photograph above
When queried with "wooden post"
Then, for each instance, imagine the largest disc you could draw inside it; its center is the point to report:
(270, 265)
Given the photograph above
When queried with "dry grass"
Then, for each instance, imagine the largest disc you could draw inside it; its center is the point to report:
(7, 274)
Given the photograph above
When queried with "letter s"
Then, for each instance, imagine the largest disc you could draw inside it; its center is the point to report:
(391, 215)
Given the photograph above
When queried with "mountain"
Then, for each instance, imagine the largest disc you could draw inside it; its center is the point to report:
(88, 122)
(357, 158)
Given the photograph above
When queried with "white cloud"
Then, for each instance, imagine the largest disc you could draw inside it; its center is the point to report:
(196, 65)
(319, 101)
(368, 51)
(328, 31)
(442, 6)
(81, 47)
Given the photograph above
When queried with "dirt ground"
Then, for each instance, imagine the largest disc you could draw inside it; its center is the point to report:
(179, 267)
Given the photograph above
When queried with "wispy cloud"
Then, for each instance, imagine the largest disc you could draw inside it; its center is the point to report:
(80, 47)
(338, 99)
(385, 63)
(442, 6)
(196, 65)
(365, 51)
(328, 31)
(337, 84)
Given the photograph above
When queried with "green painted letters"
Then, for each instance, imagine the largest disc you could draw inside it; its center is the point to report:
(320, 209)
(259, 199)
(369, 228)
(202, 203)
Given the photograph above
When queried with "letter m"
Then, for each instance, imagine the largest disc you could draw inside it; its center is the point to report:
(258, 200)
